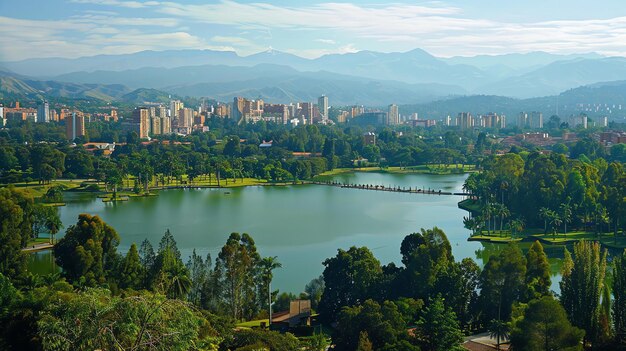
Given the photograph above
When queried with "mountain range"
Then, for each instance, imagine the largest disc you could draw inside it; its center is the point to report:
(514, 75)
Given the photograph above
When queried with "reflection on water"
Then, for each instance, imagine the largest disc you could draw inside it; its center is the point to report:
(302, 225)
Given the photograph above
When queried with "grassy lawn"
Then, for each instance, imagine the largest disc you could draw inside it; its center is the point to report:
(606, 239)
(36, 241)
(38, 190)
(252, 324)
(470, 205)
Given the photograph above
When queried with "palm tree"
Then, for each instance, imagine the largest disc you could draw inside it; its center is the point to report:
(498, 330)
(503, 212)
(517, 225)
(566, 215)
(53, 224)
(545, 214)
(471, 223)
(555, 222)
(178, 282)
(268, 264)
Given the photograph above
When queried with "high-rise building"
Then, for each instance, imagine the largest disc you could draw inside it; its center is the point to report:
(239, 105)
(185, 118)
(43, 112)
(465, 120)
(536, 120)
(141, 121)
(155, 126)
(322, 106)
(166, 125)
(175, 106)
(393, 117)
(74, 125)
(3, 121)
(222, 111)
(306, 112)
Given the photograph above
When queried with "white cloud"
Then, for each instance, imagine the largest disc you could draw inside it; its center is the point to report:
(314, 53)
(326, 41)
(434, 26)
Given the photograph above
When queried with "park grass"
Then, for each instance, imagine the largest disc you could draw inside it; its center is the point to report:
(421, 169)
(470, 205)
(37, 190)
(36, 241)
(560, 239)
(252, 324)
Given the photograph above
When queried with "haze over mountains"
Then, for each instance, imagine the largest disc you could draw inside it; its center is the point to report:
(365, 77)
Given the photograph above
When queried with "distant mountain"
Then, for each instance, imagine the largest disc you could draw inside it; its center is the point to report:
(19, 88)
(515, 75)
(559, 76)
(270, 82)
(608, 95)
(516, 62)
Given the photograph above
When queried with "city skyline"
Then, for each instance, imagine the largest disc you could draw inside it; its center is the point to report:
(76, 28)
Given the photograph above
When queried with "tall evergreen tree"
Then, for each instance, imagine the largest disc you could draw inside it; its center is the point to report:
(544, 327)
(619, 298)
(502, 283)
(537, 272)
(581, 287)
(88, 250)
(236, 268)
(131, 270)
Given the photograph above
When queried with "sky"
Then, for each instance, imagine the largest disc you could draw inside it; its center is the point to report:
(75, 28)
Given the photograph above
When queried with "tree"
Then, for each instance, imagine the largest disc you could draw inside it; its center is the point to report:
(88, 250)
(364, 342)
(581, 286)
(619, 298)
(317, 342)
(314, 290)
(94, 319)
(169, 273)
(268, 265)
(438, 328)
(200, 273)
(131, 270)
(236, 270)
(545, 214)
(565, 215)
(544, 326)
(502, 283)
(348, 279)
(16, 228)
(499, 330)
(427, 257)
(383, 323)
(537, 272)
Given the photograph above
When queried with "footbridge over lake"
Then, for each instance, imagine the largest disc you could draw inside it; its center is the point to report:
(390, 188)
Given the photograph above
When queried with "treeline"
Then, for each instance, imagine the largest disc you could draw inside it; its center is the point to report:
(228, 149)
(146, 299)
(149, 298)
(552, 192)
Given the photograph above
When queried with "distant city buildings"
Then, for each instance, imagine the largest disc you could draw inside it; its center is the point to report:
(393, 117)
(465, 120)
(74, 125)
(322, 106)
(43, 112)
(141, 122)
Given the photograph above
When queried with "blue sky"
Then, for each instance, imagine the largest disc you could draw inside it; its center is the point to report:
(73, 28)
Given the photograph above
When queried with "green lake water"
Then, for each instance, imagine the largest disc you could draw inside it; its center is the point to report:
(302, 225)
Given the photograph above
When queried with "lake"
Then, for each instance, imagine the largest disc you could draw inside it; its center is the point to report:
(302, 225)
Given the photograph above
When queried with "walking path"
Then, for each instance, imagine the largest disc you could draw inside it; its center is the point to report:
(396, 189)
(38, 247)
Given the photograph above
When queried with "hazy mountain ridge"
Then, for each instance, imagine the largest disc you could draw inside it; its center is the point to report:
(273, 83)
(515, 75)
(12, 87)
(569, 102)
